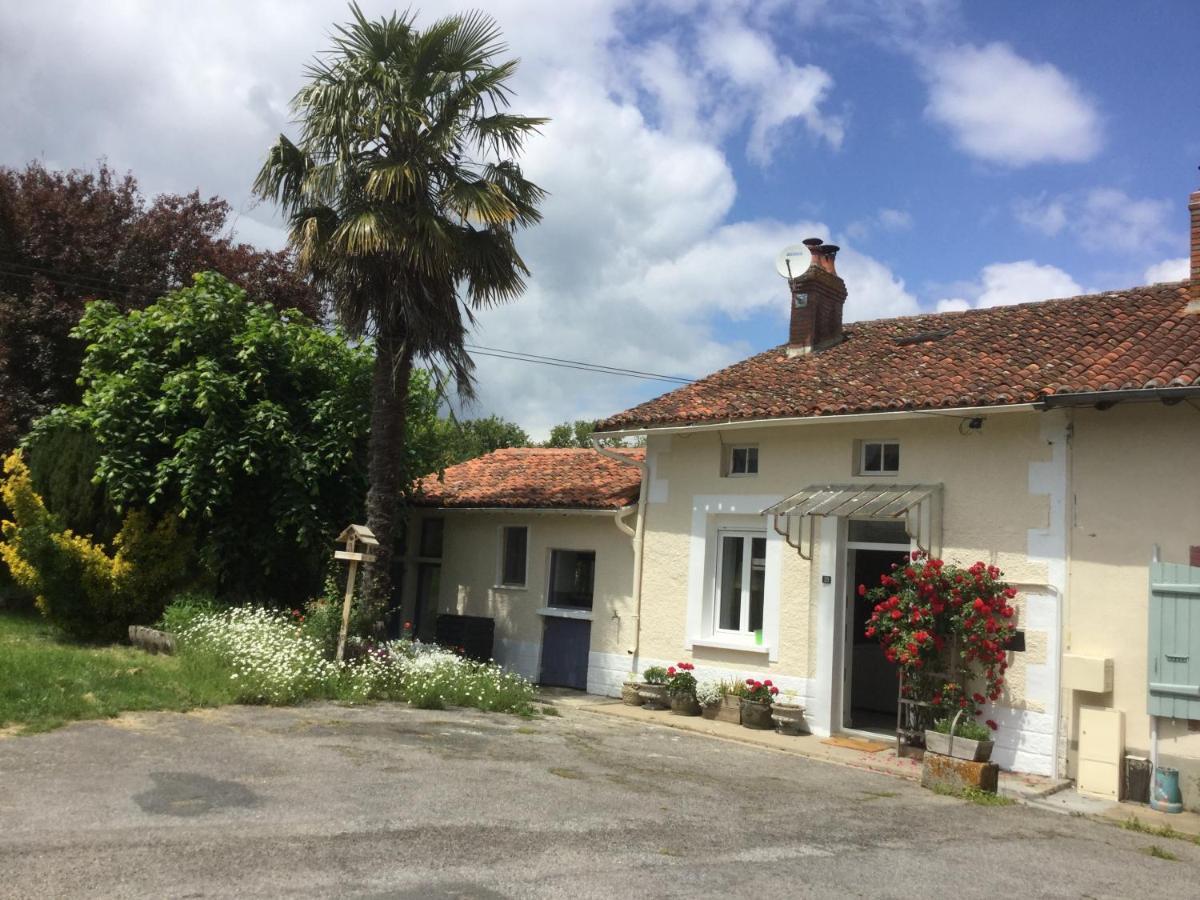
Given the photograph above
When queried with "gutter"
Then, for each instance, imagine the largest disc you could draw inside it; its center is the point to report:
(637, 536)
(538, 510)
(1105, 399)
(956, 412)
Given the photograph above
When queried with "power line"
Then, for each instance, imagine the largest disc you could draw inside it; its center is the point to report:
(81, 282)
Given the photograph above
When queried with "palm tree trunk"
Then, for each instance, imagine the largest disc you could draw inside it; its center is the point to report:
(385, 463)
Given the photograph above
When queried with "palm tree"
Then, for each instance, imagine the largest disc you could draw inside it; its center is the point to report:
(403, 195)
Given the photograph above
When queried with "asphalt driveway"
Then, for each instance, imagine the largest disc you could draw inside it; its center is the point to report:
(387, 801)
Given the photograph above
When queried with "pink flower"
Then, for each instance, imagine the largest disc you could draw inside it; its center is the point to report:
(992, 725)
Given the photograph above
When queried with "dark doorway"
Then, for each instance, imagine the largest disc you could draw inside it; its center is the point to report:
(870, 703)
(565, 647)
(425, 610)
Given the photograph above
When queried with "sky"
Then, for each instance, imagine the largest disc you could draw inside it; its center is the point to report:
(962, 154)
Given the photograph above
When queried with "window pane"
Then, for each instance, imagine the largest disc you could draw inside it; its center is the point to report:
(738, 463)
(758, 578)
(431, 538)
(515, 539)
(751, 460)
(572, 573)
(872, 457)
(730, 618)
(891, 457)
(877, 531)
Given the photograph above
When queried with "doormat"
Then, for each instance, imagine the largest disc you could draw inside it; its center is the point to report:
(853, 743)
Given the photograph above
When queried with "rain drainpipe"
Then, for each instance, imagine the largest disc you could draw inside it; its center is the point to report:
(637, 536)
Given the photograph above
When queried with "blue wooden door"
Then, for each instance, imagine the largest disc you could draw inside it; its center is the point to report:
(565, 646)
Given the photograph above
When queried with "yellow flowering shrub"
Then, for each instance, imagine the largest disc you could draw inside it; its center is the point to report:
(81, 586)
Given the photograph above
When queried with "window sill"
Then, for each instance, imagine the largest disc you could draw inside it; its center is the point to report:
(510, 587)
(563, 612)
(717, 644)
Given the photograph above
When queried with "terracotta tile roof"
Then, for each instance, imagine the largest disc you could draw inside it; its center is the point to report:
(532, 478)
(1138, 338)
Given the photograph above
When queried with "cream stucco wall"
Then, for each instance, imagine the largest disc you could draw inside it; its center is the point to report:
(1003, 495)
(1136, 484)
(470, 578)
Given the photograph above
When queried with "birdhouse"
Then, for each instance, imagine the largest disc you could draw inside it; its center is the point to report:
(358, 540)
(354, 537)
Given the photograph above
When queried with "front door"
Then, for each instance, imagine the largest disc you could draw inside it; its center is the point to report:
(870, 682)
(565, 647)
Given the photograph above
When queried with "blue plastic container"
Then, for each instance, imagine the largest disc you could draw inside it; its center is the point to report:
(1165, 795)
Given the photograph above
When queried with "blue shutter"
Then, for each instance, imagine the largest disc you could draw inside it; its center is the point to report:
(1174, 646)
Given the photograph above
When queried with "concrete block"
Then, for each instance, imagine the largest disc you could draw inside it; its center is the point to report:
(956, 774)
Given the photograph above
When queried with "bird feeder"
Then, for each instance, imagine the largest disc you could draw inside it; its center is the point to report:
(359, 539)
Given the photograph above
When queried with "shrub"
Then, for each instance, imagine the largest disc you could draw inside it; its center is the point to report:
(79, 585)
(655, 675)
(967, 728)
(185, 609)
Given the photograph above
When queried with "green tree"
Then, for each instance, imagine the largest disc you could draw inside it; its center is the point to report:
(249, 423)
(571, 434)
(470, 438)
(403, 196)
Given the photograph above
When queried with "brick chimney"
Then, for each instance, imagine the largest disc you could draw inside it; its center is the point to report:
(1194, 209)
(818, 295)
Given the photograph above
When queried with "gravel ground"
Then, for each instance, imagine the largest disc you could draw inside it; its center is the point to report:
(387, 801)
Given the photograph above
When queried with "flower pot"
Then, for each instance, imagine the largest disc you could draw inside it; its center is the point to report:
(788, 718)
(630, 693)
(710, 711)
(756, 715)
(685, 705)
(729, 709)
(958, 747)
(654, 696)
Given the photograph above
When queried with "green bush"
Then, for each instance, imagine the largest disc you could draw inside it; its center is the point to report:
(80, 586)
(62, 466)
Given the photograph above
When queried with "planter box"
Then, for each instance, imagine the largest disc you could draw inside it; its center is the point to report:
(654, 696)
(630, 695)
(685, 705)
(756, 715)
(729, 710)
(788, 718)
(959, 747)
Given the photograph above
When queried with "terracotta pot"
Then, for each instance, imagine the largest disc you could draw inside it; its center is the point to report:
(685, 705)
(729, 709)
(756, 715)
(959, 747)
(654, 696)
(788, 718)
(630, 695)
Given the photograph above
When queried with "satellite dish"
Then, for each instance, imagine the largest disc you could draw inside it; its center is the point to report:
(792, 260)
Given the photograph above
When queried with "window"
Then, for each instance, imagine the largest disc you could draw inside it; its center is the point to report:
(741, 580)
(514, 543)
(431, 538)
(879, 458)
(572, 573)
(742, 461)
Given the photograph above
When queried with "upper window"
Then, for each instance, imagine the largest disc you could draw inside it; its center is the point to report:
(741, 582)
(879, 458)
(432, 530)
(742, 460)
(514, 544)
(572, 573)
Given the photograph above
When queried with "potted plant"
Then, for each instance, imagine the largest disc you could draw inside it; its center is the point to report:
(681, 686)
(709, 693)
(756, 703)
(787, 713)
(631, 691)
(962, 738)
(653, 690)
(730, 708)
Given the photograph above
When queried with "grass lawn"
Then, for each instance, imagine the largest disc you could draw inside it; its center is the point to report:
(46, 680)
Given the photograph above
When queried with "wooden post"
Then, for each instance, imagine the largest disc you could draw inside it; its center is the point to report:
(341, 647)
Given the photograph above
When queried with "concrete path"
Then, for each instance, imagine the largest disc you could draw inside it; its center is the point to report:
(386, 801)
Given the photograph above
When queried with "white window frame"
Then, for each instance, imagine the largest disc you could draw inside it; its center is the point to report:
(861, 457)
(728, 461)
(501, 584)
(747, 535)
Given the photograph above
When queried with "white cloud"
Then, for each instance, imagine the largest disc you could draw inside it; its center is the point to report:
(895, 219)
(1004, 284)
(1169, 270)
(1103, 220)
(1002, 108)
(886, 219)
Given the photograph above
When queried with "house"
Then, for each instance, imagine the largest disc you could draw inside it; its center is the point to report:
(1055, 440)
(539, 542)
